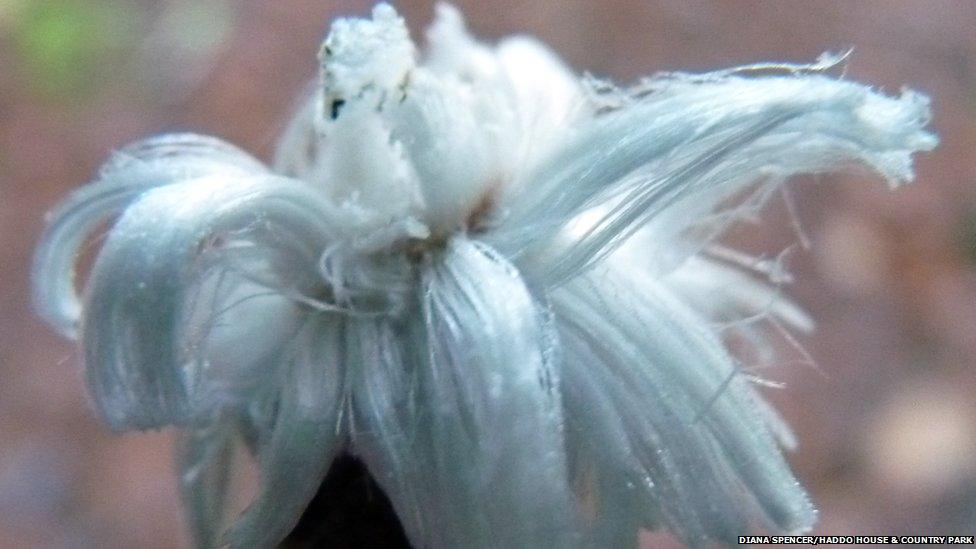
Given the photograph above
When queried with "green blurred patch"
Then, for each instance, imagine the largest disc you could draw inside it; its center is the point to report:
(65, 44)
(967, 237)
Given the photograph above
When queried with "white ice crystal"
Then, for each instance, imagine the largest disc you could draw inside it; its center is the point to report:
(486, 277)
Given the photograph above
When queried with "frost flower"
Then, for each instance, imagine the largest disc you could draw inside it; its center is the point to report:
(487, 278)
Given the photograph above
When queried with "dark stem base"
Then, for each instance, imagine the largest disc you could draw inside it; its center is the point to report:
(350, 511)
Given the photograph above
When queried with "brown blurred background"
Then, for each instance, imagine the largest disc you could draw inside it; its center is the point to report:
(887, 418)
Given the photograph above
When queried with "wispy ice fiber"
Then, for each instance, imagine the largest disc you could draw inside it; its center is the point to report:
(490, 279)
